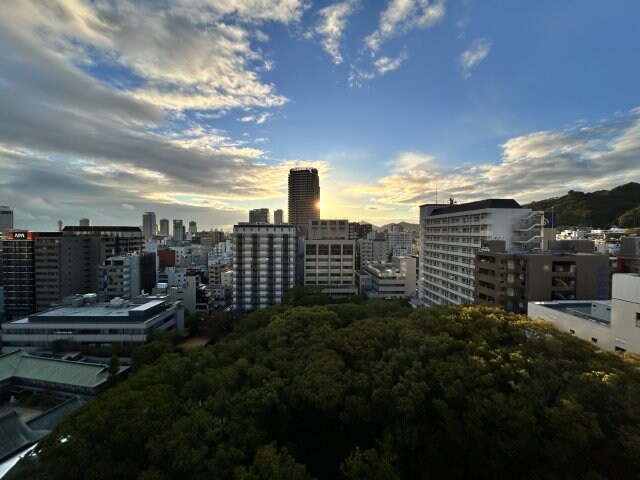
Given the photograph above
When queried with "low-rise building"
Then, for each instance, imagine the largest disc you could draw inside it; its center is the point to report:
(82, 321)
(395, 279)
(612, 325)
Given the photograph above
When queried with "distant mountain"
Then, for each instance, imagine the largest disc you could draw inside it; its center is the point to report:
(600, 209)
(406, 226)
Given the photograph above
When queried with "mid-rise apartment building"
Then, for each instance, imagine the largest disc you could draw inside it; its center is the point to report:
(373, 248)
(263, 264)
(329, 260)
(259, 215)
(359, 230)
(399, 242)
(451, 235)
(569, 270)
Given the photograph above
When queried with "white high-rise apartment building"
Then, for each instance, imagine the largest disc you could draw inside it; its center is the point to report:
(148, 225)
(450, 236)
(398, 242)
(263, 264)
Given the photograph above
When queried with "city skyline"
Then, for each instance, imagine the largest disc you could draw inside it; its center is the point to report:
(199, 110)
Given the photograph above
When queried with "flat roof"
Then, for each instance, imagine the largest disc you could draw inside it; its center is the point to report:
(478, 205)
(580, 309)
(97, 310)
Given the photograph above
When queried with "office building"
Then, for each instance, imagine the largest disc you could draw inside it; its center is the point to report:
(388, 280)
(304, 196)
(329, 260)
(451, 235)
(611, 325)
(6, 219)
(569, 270)
(83, 321)
(164, 227)
(628, 260)
(259, 215)
(263, 264)
(149, 226)
(278, 216)
(85, 222)
(359, 230)
(178, 231)
(193, 227)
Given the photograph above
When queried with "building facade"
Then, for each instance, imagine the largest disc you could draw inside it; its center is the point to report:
(373, 248)
(329, 259)
(178, 230)
(149, 227)
(611, 325)
(511, 279)
(263, 264)
(278, 216)
(388, 280)
(164, 227)
(359, 230)
(451, 235)
(304, 196)
(259, 215)
(399, 242)
(6, 219)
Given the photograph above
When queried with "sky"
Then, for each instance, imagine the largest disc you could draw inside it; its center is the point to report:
(197, 109)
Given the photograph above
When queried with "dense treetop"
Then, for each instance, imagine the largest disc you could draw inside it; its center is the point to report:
(371, 391)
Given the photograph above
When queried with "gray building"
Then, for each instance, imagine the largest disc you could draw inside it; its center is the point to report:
(178, 230)
(82, 321)
(569, 270)
(193, 227)
(85, 222)
(164, 227)
(304, 196)
(278, 216)
(259, 215)
(6, 218)
(149, 226)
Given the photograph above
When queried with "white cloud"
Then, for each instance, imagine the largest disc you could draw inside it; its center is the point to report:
(259, 118)
(472, 56)
(388, 64)
(402, 16)
(533, 167)
(332, 25)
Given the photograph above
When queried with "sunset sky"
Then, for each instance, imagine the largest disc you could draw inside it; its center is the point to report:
(196, 109)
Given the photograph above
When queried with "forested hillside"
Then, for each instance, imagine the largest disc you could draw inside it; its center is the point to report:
(601, 209)
(371, 391)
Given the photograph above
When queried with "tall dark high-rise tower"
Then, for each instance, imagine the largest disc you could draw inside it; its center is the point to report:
(304, 195)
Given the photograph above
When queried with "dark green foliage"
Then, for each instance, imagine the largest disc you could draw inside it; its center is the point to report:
(601, 209)
(372, 391)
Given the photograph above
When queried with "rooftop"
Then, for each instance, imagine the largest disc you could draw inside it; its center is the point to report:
(581, 309)
(478, 205)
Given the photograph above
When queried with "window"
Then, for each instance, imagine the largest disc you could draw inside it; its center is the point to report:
(637, 319)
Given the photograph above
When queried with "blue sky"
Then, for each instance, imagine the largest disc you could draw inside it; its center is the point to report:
(196, 109)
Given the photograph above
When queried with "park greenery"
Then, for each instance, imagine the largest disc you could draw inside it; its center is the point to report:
(361, 391)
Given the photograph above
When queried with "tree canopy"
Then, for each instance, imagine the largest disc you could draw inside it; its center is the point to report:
(370, 391)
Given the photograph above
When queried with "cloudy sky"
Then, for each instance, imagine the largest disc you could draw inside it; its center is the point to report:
(196, 109)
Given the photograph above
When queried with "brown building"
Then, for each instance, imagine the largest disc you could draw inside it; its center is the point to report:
(569, 270)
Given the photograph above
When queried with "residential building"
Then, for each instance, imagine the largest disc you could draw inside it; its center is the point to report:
(263, 264)
(119, 277)
(373, 248)
(629, 256)
(569, 270)
(6, 219)
(149, 227)
(178, 231)
(82, 321)
(278, 216)
(611, 325)
(388, 280)
(451, 235)
(259, 215)
(329, 260)
(216, 267)
(193, 227)
(164, 227)
(304, 196)
(399, 242)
